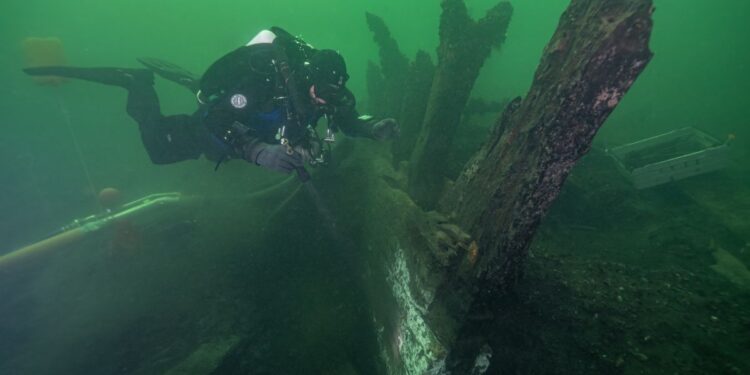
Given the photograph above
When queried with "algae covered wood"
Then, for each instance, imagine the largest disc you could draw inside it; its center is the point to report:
(426, 274)
(398, 88)
(595, 55)
(416, 94)
(465, 44)
(394, 67)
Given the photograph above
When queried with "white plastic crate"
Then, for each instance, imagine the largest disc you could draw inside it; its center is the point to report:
(670, 156)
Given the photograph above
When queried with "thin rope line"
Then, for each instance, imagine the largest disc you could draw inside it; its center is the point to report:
(84, 165)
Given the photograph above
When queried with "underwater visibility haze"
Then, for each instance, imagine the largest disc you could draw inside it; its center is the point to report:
(392, 254)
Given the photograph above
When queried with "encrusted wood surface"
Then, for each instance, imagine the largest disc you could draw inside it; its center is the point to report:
(599, 49)
(416, 93)
(394, 66)
(398, 88)
(597, 52)
(465, 44)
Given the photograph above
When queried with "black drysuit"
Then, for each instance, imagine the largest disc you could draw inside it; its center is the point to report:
(223, 124)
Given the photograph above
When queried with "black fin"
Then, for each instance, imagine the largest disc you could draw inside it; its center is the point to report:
(122, 77)
(171, 72)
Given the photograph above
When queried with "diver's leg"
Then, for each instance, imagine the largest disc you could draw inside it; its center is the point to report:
(143, 104)
(168, 139)
(172, 139)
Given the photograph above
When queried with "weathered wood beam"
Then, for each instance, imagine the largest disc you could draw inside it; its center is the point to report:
(376, 103)
(394, 66)
(398, 88)
(599, 49)
(416, 93)
(465, 44)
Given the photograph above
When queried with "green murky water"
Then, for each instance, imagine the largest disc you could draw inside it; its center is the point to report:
(233, 281)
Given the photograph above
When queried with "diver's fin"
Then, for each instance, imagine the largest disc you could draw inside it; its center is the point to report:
(109, 76)
(172, 72)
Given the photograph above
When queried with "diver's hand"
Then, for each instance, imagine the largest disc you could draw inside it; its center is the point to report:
(385, 129)
(310, 152)
(273, 157)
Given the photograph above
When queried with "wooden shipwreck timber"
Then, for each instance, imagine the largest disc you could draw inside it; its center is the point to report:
(438, 250)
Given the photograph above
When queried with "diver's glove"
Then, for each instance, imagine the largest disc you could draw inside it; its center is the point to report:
(309, 152)
(273, 157)
(385, 129)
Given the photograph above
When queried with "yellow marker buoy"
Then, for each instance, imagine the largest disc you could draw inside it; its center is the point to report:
(44, 52)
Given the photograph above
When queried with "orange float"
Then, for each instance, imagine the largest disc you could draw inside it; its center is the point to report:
(44, 52)
(109, 198)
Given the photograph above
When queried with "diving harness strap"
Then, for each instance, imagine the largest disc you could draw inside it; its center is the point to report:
(296, 112)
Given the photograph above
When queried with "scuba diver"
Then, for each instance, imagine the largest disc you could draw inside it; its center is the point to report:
(260, 102)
